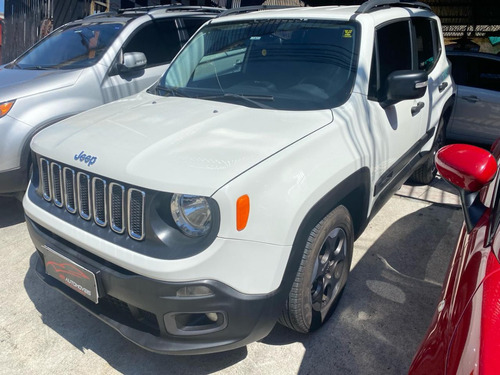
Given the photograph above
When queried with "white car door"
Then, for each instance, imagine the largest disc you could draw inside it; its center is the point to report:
(399, 130)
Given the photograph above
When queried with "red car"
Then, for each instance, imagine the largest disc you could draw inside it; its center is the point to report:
(463, 337)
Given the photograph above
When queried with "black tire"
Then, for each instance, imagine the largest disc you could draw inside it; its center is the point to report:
(322, 273)
(427, 171)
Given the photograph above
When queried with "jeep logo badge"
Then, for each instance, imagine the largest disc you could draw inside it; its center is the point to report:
(87, 159)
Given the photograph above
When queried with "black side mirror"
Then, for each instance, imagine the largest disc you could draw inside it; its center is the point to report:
(404, 85)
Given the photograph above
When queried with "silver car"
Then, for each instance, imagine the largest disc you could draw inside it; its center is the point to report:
(81, 65)
(476, 116)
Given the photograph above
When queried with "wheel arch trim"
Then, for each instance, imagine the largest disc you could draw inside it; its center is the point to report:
(346, 194)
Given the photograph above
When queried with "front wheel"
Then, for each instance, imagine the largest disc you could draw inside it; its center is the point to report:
(322, 273)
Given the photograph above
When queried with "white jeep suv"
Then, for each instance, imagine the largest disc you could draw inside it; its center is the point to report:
(195, 215)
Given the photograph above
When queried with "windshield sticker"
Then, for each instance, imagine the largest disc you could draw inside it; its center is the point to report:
(347, 33)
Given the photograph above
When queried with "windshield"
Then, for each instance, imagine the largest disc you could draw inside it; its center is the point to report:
(279, 64)
(73, 47)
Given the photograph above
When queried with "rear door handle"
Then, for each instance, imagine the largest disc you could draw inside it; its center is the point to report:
(470, 98)
(417, 108)
(442, 86)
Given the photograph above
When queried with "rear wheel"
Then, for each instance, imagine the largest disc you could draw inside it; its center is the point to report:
(322, 273)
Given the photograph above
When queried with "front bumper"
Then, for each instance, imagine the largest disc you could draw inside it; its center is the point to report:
(14, 180)
(14, 154)
(153, 315)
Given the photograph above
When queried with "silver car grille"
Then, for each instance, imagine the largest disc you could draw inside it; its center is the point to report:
(94, 198)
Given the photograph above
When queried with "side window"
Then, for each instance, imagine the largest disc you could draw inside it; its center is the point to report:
(392, 52)
(489, 74)
(427, 43)
(459, 69)
(158, 40)
(191, 25)
(476, 72)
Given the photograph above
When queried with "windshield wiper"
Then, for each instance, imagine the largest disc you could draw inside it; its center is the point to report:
(38, 67)
(248, 98)
(13, 65)
(162, 90)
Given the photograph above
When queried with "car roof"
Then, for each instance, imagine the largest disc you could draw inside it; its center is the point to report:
(334, 12)
(127, 14)
(342, 13)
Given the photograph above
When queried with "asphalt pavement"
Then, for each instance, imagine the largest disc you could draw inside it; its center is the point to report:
(397, 271)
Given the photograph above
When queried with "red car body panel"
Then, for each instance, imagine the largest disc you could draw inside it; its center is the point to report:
(463, 337)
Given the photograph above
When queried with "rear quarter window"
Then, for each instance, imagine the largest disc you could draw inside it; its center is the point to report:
(427, 43)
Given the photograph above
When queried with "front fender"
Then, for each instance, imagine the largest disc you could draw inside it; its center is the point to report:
(284, 188)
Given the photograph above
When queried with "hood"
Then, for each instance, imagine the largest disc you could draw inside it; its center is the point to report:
(174, 144)
(18, 83)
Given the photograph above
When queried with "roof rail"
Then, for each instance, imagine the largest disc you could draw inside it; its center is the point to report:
(145, 10)
(101, 15)
(373, 5)
(253, 9)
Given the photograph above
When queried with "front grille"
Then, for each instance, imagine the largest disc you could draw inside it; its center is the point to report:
(94, 198)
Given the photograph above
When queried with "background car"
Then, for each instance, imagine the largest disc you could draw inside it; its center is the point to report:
(81, 65)
(476, 117)
(463, 335)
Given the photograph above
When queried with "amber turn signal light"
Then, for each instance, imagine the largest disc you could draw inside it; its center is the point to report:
(5, 108)
(242, 212)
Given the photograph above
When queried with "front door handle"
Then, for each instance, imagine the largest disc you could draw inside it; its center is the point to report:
(470, 98)
(417, 108)
(442, 86)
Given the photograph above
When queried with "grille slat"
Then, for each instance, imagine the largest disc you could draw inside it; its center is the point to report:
(108, 204)
(136, 213)
(57, 185)
(69, 189)
(99, 201)
(117, 207)
(45, 179)
(83, 183)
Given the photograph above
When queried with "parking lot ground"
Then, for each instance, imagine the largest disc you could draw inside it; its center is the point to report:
(398, 267)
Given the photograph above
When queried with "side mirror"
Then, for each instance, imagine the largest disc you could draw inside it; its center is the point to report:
(468, 168)
(132, 61)
(404, 85)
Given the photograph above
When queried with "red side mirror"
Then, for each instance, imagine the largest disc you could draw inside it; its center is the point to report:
(465, 166)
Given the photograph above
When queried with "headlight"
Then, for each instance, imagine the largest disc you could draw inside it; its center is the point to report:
(5, 107)
(192, 214)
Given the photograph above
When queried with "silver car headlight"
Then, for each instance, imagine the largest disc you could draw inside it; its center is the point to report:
(192, 214)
